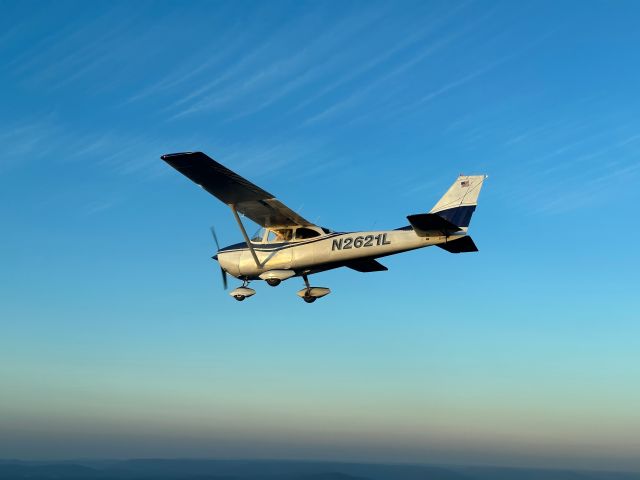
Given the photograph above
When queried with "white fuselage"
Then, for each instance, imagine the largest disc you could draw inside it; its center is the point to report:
(320, 253)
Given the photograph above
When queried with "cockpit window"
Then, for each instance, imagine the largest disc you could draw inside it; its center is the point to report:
(257, 237)
(326, 230)
(303, 232)
(283, 235)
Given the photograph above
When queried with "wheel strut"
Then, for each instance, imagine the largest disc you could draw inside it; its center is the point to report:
(307, 296)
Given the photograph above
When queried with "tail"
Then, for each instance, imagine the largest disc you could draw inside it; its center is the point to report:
(458, 204)
(452, 214)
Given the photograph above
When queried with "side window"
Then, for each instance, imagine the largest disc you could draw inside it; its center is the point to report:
(284, 235)
(303, 232)
(271, 237)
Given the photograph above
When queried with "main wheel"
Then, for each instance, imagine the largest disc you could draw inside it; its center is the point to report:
(309, 299)
(239, 297)
(274, 282)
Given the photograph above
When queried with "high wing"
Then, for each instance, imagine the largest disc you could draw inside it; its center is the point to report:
(229, 187)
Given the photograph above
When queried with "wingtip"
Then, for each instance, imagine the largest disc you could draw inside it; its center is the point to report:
(167, 156)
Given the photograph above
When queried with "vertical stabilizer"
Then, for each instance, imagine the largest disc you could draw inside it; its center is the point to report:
(460, 201)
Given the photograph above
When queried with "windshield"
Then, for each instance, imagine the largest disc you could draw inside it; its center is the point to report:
(257, 237)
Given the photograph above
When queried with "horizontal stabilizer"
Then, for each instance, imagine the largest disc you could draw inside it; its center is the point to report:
(431, 224)
(366, 265)
(460, 245)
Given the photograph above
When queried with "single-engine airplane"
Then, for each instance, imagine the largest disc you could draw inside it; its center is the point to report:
(289, 245)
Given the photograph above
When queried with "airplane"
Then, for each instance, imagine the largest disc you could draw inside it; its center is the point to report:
(289, 245)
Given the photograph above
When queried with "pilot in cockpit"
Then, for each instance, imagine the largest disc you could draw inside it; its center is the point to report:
(284, 235)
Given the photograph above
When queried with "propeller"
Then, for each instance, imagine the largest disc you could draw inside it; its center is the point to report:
(215, 257)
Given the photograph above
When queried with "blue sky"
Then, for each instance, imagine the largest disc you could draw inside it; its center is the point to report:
(116, 337)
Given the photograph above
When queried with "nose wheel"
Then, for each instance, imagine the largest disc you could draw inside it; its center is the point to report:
(242, 292)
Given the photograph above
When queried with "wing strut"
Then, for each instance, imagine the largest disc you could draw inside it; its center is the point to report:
(244, 234)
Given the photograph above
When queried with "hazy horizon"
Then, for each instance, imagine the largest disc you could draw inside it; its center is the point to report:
(299, 468)
(330, 461)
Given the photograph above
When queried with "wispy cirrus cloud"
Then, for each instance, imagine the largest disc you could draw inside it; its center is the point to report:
(260, 71)
(411, 39)
(55, 143)
(208, 101)
(469, 77)
(436, 44)
(204, 62)
(265, 158)
(359, 94)
(583, 172)
(333, 55)
(27, 141)
(579, 193)
(95, 207)
(76, 48)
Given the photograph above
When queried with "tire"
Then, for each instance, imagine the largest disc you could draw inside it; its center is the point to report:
(239, 297)
(309, 299)
(274, 282)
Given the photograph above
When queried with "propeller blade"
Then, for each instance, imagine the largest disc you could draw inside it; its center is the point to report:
(215, 237)
(215, 257)
(224, 278)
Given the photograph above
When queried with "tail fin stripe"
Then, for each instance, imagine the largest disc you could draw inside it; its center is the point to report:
(460, 216)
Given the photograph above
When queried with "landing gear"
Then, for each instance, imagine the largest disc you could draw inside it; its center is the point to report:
(307, 294)
(276, 277)
(310, 294)
(274, 282)
(243, 292)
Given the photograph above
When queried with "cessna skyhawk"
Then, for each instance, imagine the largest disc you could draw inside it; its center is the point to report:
(289, 245)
